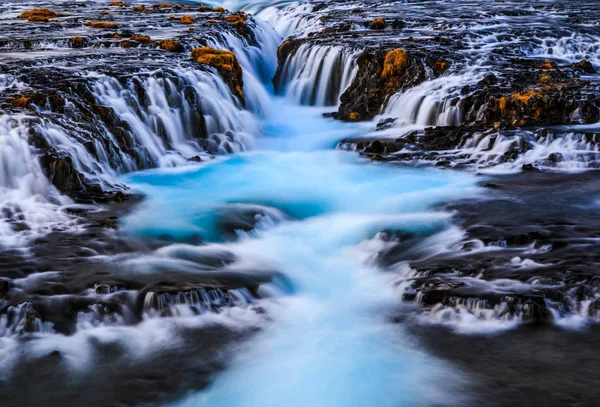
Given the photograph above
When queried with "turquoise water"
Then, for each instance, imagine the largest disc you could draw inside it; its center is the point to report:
(329, 343)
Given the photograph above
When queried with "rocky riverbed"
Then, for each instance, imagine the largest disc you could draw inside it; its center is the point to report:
(227, 204)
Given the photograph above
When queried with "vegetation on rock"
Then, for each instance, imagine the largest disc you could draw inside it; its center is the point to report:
(170, 45)
(378, 24)
(187, 19)
(101, 24)
(226, 63)
(39, 15)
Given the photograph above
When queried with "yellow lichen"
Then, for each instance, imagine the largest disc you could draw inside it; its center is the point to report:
(502, 104)
(187, 20)
(39, 14)
(238, 20)
(221, 59)
(394, 65)
(101, 24)
(440, 66)
(525, 96)
(141, 38)
(354, 116)
(548, 65)
(78, 42)
(21, 101)
(170, 45)
(219, 9)
(378, 24)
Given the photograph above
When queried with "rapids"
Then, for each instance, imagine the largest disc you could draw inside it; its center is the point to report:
(289, 257)
(328, 335)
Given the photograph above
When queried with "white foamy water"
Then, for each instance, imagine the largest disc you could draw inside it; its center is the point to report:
(332, 329)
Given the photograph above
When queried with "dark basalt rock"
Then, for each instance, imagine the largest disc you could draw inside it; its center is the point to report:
(371, 88)
(62, 173)
(584, 66)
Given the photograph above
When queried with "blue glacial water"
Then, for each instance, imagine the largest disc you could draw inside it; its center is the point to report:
(330, 342)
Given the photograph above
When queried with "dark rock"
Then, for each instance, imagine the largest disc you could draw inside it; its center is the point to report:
(584, 66)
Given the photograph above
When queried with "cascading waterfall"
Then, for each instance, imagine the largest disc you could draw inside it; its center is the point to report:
(567, 152)
(28, 201)
(317, 75)
(435, 102)
(178, 114)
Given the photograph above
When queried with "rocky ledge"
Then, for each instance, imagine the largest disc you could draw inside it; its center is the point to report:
(448, 87)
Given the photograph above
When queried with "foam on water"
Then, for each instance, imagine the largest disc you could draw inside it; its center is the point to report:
(330, 343)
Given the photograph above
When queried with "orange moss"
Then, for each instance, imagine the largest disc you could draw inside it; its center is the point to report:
(104, 13)
(220, 59)
(140, 8)
(378, 24)
(21, 101)
(440, 66)
(544, 78)
(171, 17)
(141, 38)
(101, 24)
(187, 20)
(211, 21)
(116, 36)
(170, 45)
(163, 5)
(219, 9)
(238, 20)
(117, 3)
(525, 96)
(126, 44)
(548, 65)
(502, 104)
(395, 63)
(77, 42)
(39, 14)
(204, 9)
(354, 116)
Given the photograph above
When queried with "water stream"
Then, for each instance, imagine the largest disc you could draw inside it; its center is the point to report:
(329, 341)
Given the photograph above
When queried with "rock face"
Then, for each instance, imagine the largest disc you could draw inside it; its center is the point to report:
(81, 138)
(226, 63)
(380, 74)
(510, 89)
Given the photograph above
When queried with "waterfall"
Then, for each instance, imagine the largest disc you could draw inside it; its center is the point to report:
(28, 201)
(435, 102)
(317, 74)
(174, 115)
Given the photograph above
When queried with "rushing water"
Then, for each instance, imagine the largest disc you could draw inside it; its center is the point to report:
(322, 216)
(296, 204)
(329, 342)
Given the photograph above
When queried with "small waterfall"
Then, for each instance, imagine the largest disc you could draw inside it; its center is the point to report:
(317, 75)
(174, 115)
(509, 152)
(435, 102)
(258, 62)
(292, 19)
(28, 201)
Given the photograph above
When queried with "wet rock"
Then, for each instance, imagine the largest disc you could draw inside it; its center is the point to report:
(584, 66)
(226, 63)
(380, 74)
(62, 173)
(377, 24)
